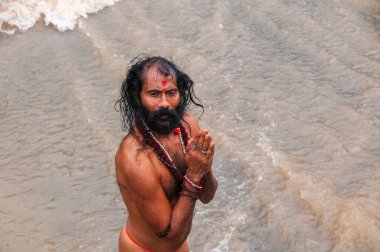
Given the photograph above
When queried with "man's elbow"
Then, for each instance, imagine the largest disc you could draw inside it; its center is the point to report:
(207, 198)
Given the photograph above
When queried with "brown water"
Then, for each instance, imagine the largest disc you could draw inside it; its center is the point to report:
(291, 90)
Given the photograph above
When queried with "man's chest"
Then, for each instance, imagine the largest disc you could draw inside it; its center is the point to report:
(170, 186)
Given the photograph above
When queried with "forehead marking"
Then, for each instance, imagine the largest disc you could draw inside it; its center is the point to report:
(163, 83)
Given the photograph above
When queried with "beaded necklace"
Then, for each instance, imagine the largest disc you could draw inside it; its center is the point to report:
(160, 151)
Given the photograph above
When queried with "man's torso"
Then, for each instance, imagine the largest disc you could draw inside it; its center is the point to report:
(141, 153)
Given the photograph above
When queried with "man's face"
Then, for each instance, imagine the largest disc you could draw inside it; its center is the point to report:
(160, 98)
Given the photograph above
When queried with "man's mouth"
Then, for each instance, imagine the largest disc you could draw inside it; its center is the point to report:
(164, 117)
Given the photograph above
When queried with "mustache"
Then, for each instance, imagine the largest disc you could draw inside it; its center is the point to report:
(170, 113)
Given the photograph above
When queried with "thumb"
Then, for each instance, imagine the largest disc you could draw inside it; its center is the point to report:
(189, 143)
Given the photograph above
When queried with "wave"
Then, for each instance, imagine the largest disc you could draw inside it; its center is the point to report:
(63, 14)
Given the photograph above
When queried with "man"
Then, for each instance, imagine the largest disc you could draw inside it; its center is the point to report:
(163, 165)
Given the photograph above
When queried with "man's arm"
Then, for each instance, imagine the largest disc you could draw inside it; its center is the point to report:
(210, 184)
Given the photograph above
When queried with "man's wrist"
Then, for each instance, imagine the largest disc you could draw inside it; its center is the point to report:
(193, 196)
(190, 188)
(194, 178)
(196, 185)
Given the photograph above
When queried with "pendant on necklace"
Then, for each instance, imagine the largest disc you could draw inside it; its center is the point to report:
(177, 131)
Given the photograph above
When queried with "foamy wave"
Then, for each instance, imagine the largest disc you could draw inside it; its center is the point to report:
(63, 14)
(264, 142)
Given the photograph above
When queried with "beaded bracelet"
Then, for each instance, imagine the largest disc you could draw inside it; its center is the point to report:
(197, 187)
(189, 190)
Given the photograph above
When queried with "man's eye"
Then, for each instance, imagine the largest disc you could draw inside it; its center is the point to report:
(172, 92)
(153, 93)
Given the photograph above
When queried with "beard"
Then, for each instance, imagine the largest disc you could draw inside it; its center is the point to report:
(163, 121)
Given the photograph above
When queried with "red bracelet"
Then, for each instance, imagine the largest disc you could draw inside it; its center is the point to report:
(197, 187)
(190, 191)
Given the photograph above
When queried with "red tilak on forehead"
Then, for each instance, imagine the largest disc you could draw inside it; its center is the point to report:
(163, 83)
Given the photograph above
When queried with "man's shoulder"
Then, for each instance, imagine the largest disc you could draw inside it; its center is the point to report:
(134, 168)
(132, 156)
(128, 146)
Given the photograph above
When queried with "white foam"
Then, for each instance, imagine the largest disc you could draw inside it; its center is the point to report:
(264, 142)
(237, 217)
(63, 14)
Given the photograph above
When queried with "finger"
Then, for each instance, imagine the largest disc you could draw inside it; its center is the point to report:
(210, 151)
(196, 139)
(206, 142)
(201, 140)
(190, 142)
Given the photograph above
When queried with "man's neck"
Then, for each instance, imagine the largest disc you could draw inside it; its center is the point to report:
(160, 136)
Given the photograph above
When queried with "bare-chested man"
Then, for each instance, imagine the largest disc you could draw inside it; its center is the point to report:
(163, 165)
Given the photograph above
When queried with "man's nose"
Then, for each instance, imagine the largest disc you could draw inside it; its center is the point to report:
(163, 103)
